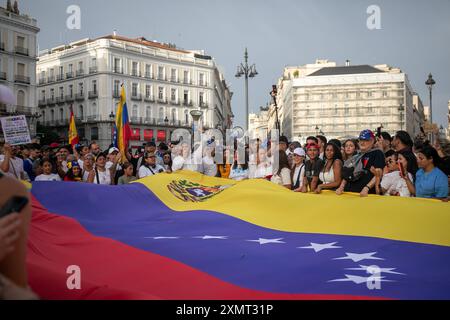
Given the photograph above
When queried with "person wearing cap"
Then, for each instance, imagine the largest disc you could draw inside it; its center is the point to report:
(331, 173)
(112, 153)
(312, 168)
(358, 174)
(298, 170)
(150, 167)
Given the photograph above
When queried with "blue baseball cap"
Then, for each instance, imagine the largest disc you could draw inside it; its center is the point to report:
(366, 135)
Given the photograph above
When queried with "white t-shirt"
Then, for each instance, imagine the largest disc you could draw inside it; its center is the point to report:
(145, 171)
(48, 177)
(393, 183)
(15, 167)
(283, 179)
(81, 163)
(103, 177)
(238, 174)
(180, 163)
(296, 173)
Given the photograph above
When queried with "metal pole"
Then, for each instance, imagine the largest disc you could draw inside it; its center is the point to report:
(246, 89)
(431, 106)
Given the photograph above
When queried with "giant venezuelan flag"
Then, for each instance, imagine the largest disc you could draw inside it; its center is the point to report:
(187, 236)
(122, 131)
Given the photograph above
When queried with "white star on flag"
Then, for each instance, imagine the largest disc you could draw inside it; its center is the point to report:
(161, 238)
(265, 241)
(317, 247)
(382, 270)
(356, 257)
(359, 280)
(212, 237)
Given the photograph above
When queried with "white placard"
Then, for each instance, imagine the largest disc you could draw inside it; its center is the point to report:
(15, 130)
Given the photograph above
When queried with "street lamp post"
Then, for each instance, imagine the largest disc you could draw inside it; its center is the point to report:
(248, 72)
(196, 115)
(430, 83)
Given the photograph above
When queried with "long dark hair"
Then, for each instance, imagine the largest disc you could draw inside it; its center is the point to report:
(337, 155)
(283, 161)
(430, 153)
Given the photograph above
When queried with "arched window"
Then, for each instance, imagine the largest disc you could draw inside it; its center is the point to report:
(94, 111)
(81, 112)
(174, 114)
(21, 98)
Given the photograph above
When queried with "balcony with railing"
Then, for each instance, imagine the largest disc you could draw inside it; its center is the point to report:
(116, 94)
(203, 105)
(174, 79)
(149, 75)
(93, 94)
(93, 70)
(162, 77)
(136, 97)
(22, 79)
(69, 75)
(42, 102)
(60, 100)
(80, 72)
(79, 96)
(59, 77)
(22, 51)
(136, 73)
(149, 99)
(2, 75)
(93, 118)
(163, 100)
(188, 103)
(70, 98)
(51, 101)
(118, 70)
(51, 79)
(41, 81)
(175, 102)
(2, 46)
(187, 81)
(14, 110)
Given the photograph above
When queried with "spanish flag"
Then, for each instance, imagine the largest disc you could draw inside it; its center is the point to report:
(122, 131)
(73, 134)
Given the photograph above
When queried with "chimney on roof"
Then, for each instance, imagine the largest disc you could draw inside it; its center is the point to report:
(347, 63)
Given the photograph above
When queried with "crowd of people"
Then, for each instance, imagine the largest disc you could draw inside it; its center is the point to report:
(371, 164)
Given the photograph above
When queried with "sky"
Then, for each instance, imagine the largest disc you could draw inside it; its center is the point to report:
(414, 36)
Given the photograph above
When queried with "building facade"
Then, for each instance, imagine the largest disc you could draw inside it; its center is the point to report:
(162, 83)
(18, 63)
(258, 124)
(340, 101)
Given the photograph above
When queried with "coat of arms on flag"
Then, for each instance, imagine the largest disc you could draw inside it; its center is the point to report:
(190, 191)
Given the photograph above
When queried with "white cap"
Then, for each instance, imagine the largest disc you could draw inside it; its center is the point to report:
(112, 149)
(300, 152)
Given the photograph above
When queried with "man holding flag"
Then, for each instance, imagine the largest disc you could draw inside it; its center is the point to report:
(122, 131)
(73, 134)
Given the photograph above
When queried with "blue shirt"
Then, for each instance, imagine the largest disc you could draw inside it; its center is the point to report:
(433, 184)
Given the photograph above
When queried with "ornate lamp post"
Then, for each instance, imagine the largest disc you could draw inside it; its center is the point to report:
(430, 83)
(111, 119)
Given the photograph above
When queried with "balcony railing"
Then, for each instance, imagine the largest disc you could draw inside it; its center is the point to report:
(79, 96)
(14, 109)
(2, 46)
(22, 79)
(118, 70)
(93, 70)
(188, 103)
(69, 75)
(60, 100)
(174, 79)
(70, 98)
(41, 103)
(80, 72)
(159, 122)
(136, 73)
(2, 75)
(203, 83)
(149, 99)
(161, 77)
(175, 102)
(149, 75)
(41, 80)
(136, 97)
(187, 81)
(22, 51)
(116, 94)
(51, 101)
(203, 105)
(163, 101)
(93, 118)
(93, 94)
(59, 77)
(51, 79)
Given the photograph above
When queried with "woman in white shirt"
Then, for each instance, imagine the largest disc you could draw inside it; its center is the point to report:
(331, 173)
(298, 170)
(150, 168)
(101, 175)
(239, 171)
(393, 183)
(283, 175)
